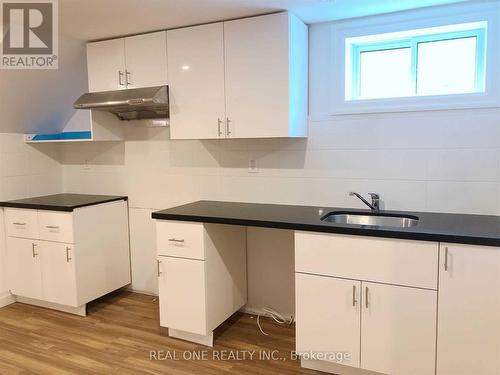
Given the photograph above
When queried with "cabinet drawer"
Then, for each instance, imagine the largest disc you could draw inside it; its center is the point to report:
(21, 223)
(56, 226)
(180, 239)
(400, 262)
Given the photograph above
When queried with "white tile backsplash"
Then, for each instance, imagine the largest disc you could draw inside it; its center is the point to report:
(27, 170)
(464, 165)
(459, 197)
(410, 174)
(13, 164)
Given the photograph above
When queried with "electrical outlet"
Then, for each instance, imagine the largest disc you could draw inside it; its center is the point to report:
(252, 166)
(86, 165)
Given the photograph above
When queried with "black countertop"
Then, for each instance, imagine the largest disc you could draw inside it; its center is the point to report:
(61, 202)
(438, 227)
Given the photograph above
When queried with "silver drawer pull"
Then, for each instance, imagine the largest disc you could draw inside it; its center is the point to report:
(228, 128)
(33, 249)
(51, 227)
(158, 262)
(354, 300)
(219, 131)
(446, 258)
(175, 240)
(367, 303)
(20, 224)
(128, 81)
(68, 258)
(120, 78)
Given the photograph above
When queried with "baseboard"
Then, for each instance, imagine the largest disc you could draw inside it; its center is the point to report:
(334, 368)
(145, 292)
(260, 311)
(80, 310)
(6, 299)
(207, 340)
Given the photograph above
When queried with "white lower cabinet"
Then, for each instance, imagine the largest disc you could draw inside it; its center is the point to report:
(328, 316)
(58, 273)
(202, 277)
(76, 258)
(183, 281)
(354, 297)
(42, 270)
(469, 310)
(382, 328)
(24, 269)
(398, 329)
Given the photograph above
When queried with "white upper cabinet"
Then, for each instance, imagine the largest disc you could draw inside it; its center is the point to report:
(138, 61)
(146, 60)
(106, 65)
(266, 63)
(196, 81)
(469, 310)
(246, 78)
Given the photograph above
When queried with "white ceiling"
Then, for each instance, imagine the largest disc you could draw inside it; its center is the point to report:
(100, 19)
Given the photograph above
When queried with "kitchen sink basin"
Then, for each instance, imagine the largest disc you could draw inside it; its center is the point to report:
(372, 219)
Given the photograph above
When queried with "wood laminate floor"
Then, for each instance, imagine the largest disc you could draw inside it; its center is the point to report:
(118, 335)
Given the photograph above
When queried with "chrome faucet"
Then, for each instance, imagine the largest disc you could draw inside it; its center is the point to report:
(374, 206)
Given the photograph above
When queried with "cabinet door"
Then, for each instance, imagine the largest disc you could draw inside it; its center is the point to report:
(398, 329)
(23, 267)
(196, 82)
(469, 310)
(256, 65)
(182, 294)
(146, 60)
(58, 273)
(328, 318)
(106, 65)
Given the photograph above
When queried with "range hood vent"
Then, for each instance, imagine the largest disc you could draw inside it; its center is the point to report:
(130, 104)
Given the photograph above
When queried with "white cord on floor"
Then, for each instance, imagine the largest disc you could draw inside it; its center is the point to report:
(276, 316)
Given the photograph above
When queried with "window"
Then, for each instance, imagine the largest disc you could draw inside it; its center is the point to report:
(442, 60)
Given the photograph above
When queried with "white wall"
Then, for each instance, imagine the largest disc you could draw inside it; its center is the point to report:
(24, 171)
(34, 101)
(445, 161)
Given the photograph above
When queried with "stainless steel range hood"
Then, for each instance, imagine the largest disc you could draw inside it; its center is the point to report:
(130, 104)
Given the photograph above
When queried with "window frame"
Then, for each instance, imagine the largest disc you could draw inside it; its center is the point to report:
(331, 59)
(356, 49)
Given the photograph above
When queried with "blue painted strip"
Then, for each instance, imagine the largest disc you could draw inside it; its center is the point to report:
(65, 136)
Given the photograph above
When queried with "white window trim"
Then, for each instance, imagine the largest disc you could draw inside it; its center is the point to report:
(411, 20)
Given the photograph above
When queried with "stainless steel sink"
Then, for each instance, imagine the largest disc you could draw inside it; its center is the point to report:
(374, 220)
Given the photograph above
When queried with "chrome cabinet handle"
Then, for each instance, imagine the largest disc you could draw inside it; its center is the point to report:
(175, 240)
(366, 298)
(127, 78)
(354, 300)
(158, 262)
(228, 129)
(20, 224)
(120, 78)
(219, 125)
(68, 258)
(33, 246)
(51, 227)
(446, 258)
